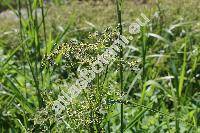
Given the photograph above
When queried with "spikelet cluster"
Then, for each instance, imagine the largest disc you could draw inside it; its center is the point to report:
(82, 52)
(92, 106)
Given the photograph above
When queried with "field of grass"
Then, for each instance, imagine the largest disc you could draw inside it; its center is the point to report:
(152, 84)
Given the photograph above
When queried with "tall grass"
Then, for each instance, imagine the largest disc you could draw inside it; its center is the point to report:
(162, 96)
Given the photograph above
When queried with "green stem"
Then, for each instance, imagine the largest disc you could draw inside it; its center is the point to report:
(24, 55)
(119, 6)
(43, 22)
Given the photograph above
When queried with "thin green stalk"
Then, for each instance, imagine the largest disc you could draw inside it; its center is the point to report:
(109, 131)
(143, 57)
(158, 3)
(38, 55)
(105, 75)
(99, 100)
(144, 51)
(109, 128)
(183, 71)
(20, 18)
(176, 96)
(24, 54)
(34, 32)
(119, 7)
(43, 22)
(30, 12)
(21, 39)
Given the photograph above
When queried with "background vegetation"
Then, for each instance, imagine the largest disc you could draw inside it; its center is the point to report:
(161, 95)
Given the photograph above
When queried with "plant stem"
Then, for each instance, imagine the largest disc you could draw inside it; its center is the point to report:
(176, 96)
(119, 6)
(24, 55)
(43, 22)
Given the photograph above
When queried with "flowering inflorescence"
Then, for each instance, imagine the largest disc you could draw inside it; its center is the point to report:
(100, 50)
(82, 52)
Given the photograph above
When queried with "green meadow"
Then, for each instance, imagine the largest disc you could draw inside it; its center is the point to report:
(152, 84)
